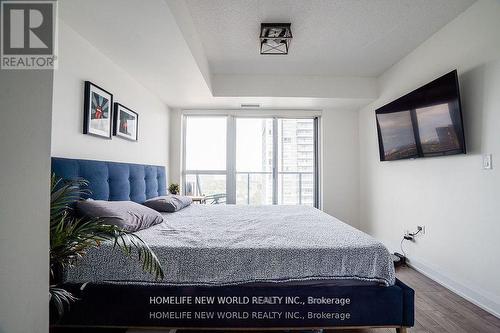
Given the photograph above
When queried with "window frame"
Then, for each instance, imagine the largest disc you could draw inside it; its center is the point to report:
(230, 171)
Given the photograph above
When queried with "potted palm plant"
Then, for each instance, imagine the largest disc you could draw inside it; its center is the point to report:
(71, 237)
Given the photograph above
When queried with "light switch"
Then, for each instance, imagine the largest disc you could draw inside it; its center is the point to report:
(487, 163)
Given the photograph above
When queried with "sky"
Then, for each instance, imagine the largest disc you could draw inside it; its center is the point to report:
(431, 118)
(206, 143)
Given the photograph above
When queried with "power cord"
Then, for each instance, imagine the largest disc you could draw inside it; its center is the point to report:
(401, 246)
(409, 236)
(416, 233)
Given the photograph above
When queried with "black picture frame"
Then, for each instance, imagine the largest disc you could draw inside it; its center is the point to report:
(119, 110)
(104, 99)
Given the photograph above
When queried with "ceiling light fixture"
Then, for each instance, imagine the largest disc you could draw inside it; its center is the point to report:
(275, 38)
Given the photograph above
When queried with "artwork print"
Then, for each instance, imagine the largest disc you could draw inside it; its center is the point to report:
(125, 122)
(97, 111)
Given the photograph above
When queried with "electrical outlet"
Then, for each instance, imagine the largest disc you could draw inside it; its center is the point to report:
(487, 162)
(422, 229)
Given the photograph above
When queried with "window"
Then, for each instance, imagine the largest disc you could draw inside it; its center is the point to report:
(254, 161)
(205, 157)
(296, 162)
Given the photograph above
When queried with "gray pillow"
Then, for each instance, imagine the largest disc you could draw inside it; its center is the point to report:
(127, 215)
(168, 203)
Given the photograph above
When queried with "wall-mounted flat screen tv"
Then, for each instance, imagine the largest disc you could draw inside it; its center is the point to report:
(424, 123)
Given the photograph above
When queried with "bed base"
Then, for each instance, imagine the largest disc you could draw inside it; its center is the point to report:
(167, 307)
(399, 329)
(127, 305)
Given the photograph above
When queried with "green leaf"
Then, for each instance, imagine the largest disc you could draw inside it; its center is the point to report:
(72, 237)
(61, 298)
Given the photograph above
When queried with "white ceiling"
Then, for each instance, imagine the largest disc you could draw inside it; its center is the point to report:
(143, 38)
(330, 37)
(204, 53)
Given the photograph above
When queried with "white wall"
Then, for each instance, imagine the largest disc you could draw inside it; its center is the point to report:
(340, 156)
(79, 61)
(340, 164)
(453, 197)
(25, 109)
(175, 158)
(225, 85)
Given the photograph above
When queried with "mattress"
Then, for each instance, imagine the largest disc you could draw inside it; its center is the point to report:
(217, 245)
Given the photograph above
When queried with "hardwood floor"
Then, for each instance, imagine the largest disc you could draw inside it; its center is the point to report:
(437, 310)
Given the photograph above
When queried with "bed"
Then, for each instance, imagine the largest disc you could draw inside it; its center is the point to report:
(228, 266)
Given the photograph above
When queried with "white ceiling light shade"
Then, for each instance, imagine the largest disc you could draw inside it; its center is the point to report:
(275, 38)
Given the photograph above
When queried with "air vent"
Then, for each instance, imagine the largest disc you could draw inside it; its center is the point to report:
(250, 106)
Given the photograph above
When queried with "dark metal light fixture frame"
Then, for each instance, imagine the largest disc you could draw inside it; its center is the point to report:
(281, 40)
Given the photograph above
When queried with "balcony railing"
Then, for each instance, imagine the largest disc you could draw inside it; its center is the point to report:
(300, 185)
(248, 175)
(294, 190)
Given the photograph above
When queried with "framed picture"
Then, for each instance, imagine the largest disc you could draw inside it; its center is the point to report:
(126, 122)
(97, 113)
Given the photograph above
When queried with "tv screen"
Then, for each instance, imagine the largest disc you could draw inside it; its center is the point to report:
(424, 123)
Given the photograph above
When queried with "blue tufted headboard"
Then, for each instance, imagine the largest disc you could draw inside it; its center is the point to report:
(114, 181)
